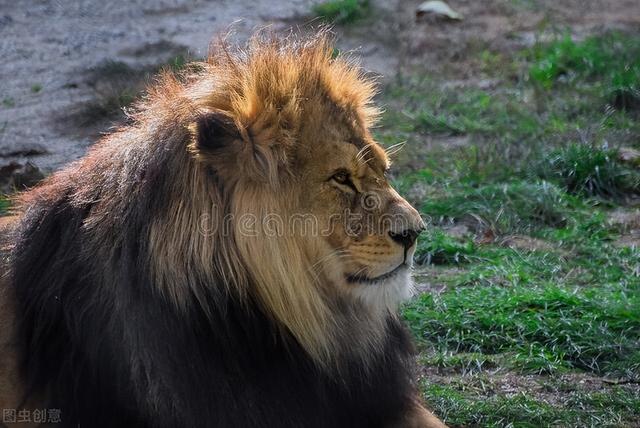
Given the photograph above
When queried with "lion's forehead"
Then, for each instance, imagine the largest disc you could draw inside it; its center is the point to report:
(366, 161)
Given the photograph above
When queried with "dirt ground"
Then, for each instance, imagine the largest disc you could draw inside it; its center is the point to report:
(50, 47)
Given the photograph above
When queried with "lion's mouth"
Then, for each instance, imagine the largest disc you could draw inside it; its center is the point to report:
(361, 278)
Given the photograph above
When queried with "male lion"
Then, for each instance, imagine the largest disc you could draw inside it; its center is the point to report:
(231, 258)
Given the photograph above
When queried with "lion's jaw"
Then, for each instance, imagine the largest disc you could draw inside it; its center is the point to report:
(381, 294)
(385, 295)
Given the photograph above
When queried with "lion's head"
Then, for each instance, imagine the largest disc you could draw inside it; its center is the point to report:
(282, 192)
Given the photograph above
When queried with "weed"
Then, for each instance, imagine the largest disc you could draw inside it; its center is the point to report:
(505, 208)
(4, 205)
(342, 11)
(612, 60)
(116, 85)
(590, 171)
(8, 102)
(436, 247)
(35, 88)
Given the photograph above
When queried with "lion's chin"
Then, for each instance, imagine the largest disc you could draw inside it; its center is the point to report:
(387, 293)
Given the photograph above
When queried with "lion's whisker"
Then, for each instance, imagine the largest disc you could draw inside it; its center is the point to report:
(394, 149)
(364, 151)
(340, 253)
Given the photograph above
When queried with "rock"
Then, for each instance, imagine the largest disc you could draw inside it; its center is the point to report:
(631, 240)
(16, 177)
(624, 219)
(6, 171)
(458, 231)
(527, 243)
(437, 10)
(22, 150)
(5, 21)
(629, 155)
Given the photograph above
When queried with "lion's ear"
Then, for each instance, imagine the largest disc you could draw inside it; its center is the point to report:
(214, 130)
(218, 139)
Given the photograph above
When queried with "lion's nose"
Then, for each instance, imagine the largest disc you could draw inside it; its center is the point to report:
(406, 238)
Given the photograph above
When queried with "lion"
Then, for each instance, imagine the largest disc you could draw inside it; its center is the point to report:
(233, 256)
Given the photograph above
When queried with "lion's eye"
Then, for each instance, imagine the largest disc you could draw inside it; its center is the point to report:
(343, 178)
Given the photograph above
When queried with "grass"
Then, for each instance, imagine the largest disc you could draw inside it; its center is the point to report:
(116, 85)
(527, 117)
(545, 328)
(612, 61)
(4, 205)
(439, 248)
(474, 111)
(434, 110)
(590, 171)
(536, 158)
(510, 207)
(586, 409)
(342, 11)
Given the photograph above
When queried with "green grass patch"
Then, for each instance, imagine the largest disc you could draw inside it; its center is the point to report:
(569, 308)
(464, 363)
(342, 11)
(505, 208)
(459, 409)
(611, 61)
(594, 254)
(494, 135)
(464, 408)
(512, 112)
(4, 205)
(546, 327)
(590, 171)
(436, 110)
(506, 267)
(436, 247)
(536, 155)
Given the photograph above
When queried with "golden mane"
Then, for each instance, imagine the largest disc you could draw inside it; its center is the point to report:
(268, 90)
